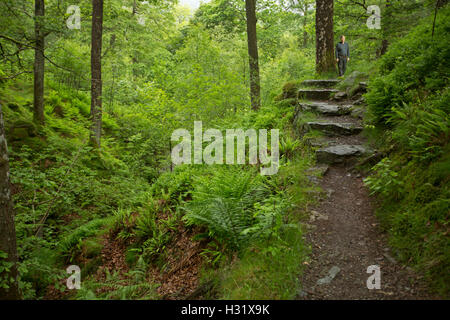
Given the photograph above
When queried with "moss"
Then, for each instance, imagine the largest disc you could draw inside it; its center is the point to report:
(92, 247)
(289, 90)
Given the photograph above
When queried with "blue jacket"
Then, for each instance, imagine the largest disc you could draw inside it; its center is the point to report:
(342, 49)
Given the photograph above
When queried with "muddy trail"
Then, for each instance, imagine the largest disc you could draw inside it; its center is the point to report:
(343, 232)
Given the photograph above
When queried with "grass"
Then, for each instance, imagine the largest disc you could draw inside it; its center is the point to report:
(267, 271)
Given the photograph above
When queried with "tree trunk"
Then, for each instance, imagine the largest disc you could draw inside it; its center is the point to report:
(325, 61)
(7, 228)
(96, 71)
(305, 20)
(39, 62)
(384, 42)
(250, 10)
(134, 7)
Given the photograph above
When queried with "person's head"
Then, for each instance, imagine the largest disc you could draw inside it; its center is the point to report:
(342, 38)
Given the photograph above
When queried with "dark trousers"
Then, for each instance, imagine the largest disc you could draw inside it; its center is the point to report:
(342, 64)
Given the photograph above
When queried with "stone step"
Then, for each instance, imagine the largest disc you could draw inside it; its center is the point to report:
(330, 83)
(333, 128)
(327, 108)
(316, 94)
(340, 153)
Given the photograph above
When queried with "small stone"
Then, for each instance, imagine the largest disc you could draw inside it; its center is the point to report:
(331, 275)
(302, 294)
(329, 193)
(340, 95)
(390, 258)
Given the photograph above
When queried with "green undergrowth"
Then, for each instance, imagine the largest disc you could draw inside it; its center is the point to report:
(73, 200)
(408, 101)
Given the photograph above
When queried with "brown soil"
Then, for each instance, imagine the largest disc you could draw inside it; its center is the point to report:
(346, 234)
(181, 277)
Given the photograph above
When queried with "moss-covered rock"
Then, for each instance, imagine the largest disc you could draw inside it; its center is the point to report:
(289, 90)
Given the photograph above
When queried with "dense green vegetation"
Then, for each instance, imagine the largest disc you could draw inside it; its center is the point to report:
(409, 100)
(73, 200)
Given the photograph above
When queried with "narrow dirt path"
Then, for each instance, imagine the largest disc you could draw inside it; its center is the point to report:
(345, 236)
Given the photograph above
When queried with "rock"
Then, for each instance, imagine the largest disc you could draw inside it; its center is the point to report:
(320, 169)
(390, 258)
(326, 108)
(320, 83)
(356, 91)
(333, 129)
(351, 79)
(357, 112)
(316, 94)
(290, 90)
(340, 95)
(302, 294)
(331, 275)
(313, 179)
(359, 101)
(329, 193)
(318, 216)
(339, 153)
(310, 227)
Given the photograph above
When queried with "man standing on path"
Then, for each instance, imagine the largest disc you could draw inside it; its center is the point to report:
(342, 55)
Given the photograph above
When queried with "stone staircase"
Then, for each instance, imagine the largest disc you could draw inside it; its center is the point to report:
(340, 140)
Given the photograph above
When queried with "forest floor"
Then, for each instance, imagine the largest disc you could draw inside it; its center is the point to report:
(345, 239)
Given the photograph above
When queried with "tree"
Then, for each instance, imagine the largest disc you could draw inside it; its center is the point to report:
(250, 10)
(302, 6)
(96, 71)
(39, 61)
(7, 227)
(325, 61)
(228, 14)
(384, 42)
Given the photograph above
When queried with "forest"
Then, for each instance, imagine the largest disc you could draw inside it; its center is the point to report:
(337, 177)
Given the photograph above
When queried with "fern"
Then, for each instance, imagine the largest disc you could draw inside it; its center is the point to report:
(225, 204)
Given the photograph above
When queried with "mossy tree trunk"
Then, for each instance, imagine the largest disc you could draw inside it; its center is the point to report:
(7, 227)
(325, 61)
(39, 61)
(255, 95)
(96, 72)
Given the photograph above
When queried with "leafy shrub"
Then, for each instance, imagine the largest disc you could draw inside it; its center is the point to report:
(385, 180)
(412, 68)
(175, 185)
